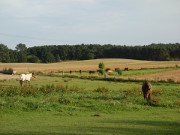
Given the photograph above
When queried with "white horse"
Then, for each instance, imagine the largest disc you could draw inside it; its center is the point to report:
(25, 77)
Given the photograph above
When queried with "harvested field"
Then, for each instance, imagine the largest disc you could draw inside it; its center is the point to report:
(6, 77)
(88, 65)
(164, 76)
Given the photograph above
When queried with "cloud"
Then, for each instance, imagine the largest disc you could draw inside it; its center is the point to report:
(89, 21)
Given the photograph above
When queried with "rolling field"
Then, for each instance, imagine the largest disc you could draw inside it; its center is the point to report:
(90, 104)
(88, 65)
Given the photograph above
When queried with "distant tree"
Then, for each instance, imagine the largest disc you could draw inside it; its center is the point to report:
(13, 56)
(22, 52)
(32, 59)
(22, 57)
(57, 58)
(4, 53)
(21, 47)
(163, 54)
(50, 58)
(85, 52)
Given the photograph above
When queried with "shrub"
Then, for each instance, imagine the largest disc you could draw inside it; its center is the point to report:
(101, 65)
(119, 72)
(101, 71)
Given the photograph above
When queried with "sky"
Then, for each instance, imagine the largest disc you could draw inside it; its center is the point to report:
(117, 22)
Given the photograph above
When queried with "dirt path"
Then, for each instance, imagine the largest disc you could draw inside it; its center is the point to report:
(2, 76)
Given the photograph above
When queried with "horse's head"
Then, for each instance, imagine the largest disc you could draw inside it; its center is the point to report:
(33, 75)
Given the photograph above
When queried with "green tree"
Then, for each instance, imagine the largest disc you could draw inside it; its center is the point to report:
(119, 72)
(101, 65)
(50, 58)
(4, 53)
(32, 59)
(22, 52)
(13, 56)
(101, 68)
(57, 58)
(21, 47)
(22, 57)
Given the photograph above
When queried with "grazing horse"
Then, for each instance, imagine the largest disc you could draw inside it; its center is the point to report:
(126, 69)
(91, 72)
(147, 90)
(26, 77)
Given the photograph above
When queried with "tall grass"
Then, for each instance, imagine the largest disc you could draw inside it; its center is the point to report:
(69, 99)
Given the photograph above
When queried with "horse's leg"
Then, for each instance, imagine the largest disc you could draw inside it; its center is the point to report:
(147, 96)
(144, 96)
(21, 82)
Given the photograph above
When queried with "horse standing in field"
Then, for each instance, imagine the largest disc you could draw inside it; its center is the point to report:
(26, 77)
(147, 90)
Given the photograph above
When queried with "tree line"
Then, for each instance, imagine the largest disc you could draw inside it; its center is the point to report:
(57, 53)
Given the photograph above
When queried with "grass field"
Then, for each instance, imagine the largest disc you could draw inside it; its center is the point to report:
(162, 122)
(54, 104)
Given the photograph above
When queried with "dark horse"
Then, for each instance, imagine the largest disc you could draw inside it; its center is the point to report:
(147, 90)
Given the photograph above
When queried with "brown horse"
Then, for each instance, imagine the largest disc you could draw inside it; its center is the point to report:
(147, 90)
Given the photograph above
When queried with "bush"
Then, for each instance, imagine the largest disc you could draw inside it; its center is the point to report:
(119, 72)
(101, 65)
(101, 71)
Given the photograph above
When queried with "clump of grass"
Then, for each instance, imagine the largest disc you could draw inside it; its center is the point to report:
(129, 92)
(9, 91)
(74, 88)
(176, 103)
(155, 101)
(101, 90)
(27, 91)
(47, 89)
(61, 89)
(157, 92)
(64, 100)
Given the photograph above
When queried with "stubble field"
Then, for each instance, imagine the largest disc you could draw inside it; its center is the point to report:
(88, 65)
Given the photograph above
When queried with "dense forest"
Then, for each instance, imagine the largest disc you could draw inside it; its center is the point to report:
(57, 53)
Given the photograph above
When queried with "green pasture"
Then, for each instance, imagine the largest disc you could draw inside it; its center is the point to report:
(64, 105)
(130, 72)
(158, 121)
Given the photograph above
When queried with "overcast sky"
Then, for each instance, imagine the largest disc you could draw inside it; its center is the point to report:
(58, 22)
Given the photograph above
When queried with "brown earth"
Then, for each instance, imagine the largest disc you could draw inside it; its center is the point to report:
(6, 77)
